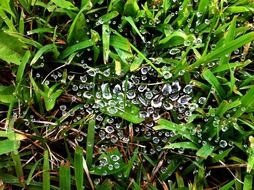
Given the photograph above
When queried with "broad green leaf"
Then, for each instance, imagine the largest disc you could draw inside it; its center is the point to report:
(78, 29)
(5, 5)
(7, 146)
(65, 4)
(111, 158)
(11, 48)
(131, 114)
(173, 165)
(6, 94)
(131, 8)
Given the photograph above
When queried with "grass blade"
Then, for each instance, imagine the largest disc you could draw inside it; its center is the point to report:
(43, 50)
(105, 42)
(90, 143)
(79, 46)
(78, 168)
(46, 174)
(65, 176)
(224, 49)
(209, 76)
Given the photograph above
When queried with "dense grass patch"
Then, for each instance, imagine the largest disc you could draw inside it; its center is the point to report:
(118, 94)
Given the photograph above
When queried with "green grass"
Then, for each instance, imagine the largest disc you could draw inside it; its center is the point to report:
(116, 94)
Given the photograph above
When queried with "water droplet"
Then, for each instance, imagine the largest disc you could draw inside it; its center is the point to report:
(106, 91)
(166, 89)
(201, 100)
(113, 138)
(187, 89)
(83, 78)
(87, 95)
(63, 107)
(184, 99)
(175, 87)
(187, 43)
(156, 140)
(114, 157)
(131, 94)
(174, 51)
(223, 143)
(144, 70)
(207, 21)
(91, 72)
(116, 165)
(106, 73)
(149, 95)
(109, 129)
(157, 101)
(167, 105)
(142, 88)
(112, 110)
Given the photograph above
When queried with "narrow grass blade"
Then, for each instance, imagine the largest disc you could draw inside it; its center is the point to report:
(224, 49)
(107, 17)
(31, 173)
(209, 76)
(78, 168)
(133, 25)
(22, 67)
(105, 42)
(248, 182)
(229, 37)
(18, 166)
(130, 163)
(65, 176)
(79, 46)
(119, 42)
(247, 102)
(78, 27)
(170, 170)
(225, 106)
(90, 143)
(43, 50)
(228, 186)
(184, 145)
(205, 151)
(46, 174)
(178, 128)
